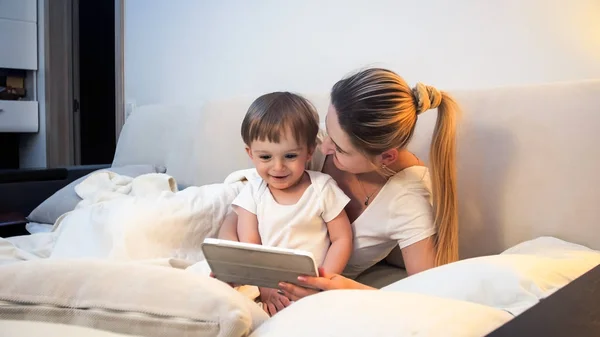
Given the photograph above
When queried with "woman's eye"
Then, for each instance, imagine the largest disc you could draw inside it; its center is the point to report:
(291, 156)
(264, 157)
(338, 150)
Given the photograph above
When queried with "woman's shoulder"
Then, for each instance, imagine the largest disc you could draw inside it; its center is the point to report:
(408, 192)
(410, 206)
(414, 180)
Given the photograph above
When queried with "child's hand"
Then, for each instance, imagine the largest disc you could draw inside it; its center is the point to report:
(273, 301)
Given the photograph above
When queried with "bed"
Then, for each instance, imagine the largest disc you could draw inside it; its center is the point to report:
(527, 160)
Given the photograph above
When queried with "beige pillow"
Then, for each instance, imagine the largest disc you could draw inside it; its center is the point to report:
(125, 297)
(360, 313)
(11, 328)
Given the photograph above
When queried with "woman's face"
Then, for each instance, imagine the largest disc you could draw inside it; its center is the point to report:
(345, 156)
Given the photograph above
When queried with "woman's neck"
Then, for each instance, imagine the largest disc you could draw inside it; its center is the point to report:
(405, 160)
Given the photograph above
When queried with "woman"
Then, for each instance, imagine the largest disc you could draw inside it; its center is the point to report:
(394, 199)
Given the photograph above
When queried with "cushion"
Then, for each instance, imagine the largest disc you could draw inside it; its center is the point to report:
(513, 281)
(168, 135)
(65, 199)
(125, 297)
(349, 313)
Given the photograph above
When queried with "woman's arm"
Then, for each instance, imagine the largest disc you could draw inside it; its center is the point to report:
(247, 226)
(325, 281)
(340, 234)
(419, 256)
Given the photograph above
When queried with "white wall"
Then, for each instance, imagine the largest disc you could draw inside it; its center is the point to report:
(187, 51)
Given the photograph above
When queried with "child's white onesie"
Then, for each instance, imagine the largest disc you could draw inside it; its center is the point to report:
(302, 225)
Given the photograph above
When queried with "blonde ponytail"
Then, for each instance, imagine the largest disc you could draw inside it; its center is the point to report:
(379, 111)
(443, 172)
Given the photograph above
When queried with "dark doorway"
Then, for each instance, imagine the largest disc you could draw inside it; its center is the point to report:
(95, 45)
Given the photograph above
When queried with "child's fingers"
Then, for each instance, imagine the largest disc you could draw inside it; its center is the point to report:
(279, 303)
(265, 307)
(284, 301)
(272, 310)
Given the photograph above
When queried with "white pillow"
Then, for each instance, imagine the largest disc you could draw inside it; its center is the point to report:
(360, 313)
(125, 297)
(513, 281)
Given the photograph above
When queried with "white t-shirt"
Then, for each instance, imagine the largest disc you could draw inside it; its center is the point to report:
(400, 214)
(302, 225)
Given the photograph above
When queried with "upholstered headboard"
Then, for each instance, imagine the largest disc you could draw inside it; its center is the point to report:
(527, 157)
(528, 160)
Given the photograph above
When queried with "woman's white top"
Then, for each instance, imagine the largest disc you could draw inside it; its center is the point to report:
(400, 214)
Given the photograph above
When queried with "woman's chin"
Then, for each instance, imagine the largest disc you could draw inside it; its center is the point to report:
(337, 164)
(340, 166)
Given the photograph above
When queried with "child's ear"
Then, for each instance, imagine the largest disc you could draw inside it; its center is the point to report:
(311, 151)
(249, 152)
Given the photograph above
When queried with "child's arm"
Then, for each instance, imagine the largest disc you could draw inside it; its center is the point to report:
(340, 234)
(247, 226)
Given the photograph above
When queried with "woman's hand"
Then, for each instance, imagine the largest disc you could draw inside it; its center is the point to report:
(272, 300)
(324, 282)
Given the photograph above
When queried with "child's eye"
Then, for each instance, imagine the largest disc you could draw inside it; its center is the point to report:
(291, 156)
(265, 157)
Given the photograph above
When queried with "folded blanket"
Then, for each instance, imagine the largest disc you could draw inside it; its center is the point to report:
(107, 185)
(145, 217)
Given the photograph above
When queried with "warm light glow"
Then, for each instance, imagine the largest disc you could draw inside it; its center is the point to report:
(587, 25)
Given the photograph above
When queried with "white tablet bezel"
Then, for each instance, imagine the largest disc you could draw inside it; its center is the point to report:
(255, 266)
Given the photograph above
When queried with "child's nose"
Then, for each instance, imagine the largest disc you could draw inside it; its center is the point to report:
(327, 147)
(279, 165)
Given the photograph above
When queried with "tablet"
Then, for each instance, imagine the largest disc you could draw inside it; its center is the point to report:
(252, 264)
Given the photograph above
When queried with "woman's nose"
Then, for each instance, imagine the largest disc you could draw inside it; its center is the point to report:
(327, 147)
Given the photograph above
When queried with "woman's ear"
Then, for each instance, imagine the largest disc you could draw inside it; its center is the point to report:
(389, 156)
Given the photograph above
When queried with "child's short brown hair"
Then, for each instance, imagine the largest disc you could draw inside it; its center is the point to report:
(270, 115)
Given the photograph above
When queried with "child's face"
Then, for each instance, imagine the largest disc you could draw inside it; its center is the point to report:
(281, 164)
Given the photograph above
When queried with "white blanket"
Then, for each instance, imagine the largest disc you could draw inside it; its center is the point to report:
(148, 220)
(26, 247)
(143, 218)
